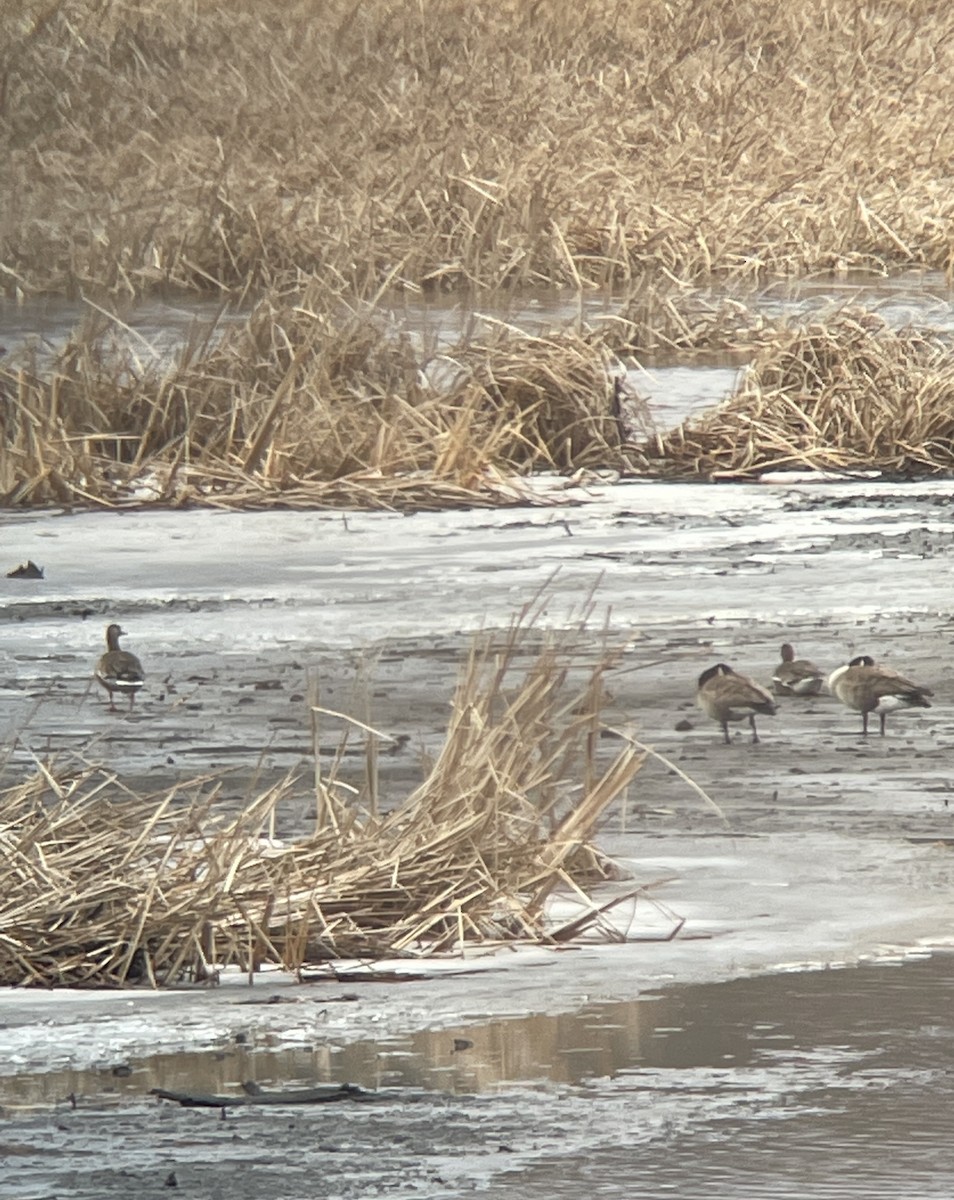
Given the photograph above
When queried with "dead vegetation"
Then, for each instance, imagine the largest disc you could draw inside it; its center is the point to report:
(663, 324)
(310, 161)
(851, 396)
(303, 405)
(248, 144)
(102, 886)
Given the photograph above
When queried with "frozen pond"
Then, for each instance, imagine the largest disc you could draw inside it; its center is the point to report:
(829, 1084)
(725, 1058)
(790, 1042)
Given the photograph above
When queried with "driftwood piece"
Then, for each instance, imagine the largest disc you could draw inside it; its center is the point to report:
(379, 976)
(317, 1095)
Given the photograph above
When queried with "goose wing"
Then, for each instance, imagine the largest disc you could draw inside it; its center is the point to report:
(886, 682)
(742, 695)
(800, 671)
(120, 668)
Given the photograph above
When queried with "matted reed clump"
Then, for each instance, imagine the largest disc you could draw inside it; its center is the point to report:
(307, 404)
(100, 886)
(852, 395)
(543, 401)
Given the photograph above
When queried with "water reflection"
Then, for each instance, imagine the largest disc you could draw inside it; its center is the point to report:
(868, 1019)
(153, 332)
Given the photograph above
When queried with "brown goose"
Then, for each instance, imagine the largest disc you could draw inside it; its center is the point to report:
(867, 688)
(118, 670)
(796, 676)
(726, 696)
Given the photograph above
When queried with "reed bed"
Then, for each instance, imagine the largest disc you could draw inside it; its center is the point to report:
(309, 159)
(253, 143)
(102, 886)
(306, 404)
(848, 396)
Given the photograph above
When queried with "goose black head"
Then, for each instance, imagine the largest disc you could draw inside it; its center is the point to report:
(862, 660)
(712, 672)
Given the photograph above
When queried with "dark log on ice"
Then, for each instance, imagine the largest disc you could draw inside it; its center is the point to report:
(315, 1095)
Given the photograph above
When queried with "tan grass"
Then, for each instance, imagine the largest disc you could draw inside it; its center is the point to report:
(317, 157)
(660, 324)
(847, 396)
(238, 145)
(100, 886)
(304, 405)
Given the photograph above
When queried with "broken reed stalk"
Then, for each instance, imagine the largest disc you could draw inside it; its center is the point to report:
(101, 886)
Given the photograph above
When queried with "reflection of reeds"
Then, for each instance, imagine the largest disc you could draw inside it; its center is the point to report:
(100, 885)
(848, 396)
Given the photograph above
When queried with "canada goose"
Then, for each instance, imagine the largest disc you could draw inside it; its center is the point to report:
(726, 696)
(118, 670)
(867, 688)
(796, 676)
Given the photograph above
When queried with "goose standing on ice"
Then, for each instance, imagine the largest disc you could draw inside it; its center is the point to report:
(796, 676)
(869, 688)
(118, 670)
(727, 696)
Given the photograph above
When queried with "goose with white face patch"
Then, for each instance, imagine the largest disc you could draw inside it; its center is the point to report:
(869, 688)
(726, 696)
(796, 676)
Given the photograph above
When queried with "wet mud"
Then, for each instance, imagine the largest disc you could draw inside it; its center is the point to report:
(827, 1083)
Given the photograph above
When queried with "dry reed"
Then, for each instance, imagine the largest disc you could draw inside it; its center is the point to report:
(318, 157)
(663, 323)
(848, 396)
(239, 145)
(303, 405)
(101, 886)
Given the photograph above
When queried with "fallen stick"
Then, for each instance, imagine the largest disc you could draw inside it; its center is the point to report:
(316, 1095)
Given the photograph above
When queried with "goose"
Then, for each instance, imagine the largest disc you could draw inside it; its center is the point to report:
(727, 696)
(118, 670)
(796, 676)
(867, 688)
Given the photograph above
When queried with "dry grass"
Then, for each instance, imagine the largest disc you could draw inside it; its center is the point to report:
(239, 145)
(848, 396)
(304, 405)
(100, 886)
(663, 324)
(314, 158)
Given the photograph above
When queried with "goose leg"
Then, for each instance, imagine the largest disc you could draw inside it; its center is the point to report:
(725, 732)
(755, 732)
(882, 715)
(864, 724)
